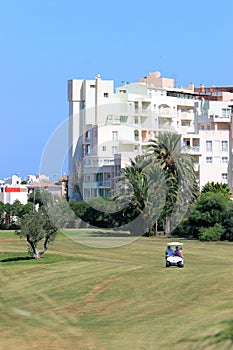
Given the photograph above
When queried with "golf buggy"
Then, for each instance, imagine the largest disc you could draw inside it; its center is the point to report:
(174, 255)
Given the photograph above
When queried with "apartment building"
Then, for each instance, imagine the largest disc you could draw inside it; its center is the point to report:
(214, 120)
(107, 128)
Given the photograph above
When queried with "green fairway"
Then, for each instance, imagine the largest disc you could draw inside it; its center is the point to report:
(81, 297)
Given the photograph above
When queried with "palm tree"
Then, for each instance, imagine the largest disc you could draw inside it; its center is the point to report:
(179, 173)
(142, 190)
(131, 193)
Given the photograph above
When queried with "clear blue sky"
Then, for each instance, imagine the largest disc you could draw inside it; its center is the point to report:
(46, 42)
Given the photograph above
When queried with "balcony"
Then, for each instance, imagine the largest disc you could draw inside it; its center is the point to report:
(105, 184)
(166, 127)
(219, 118)
(165, 114)
(186, 129)
(191, 150)
(187, 115)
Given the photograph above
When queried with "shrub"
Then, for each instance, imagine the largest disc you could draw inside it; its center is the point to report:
(211, 234)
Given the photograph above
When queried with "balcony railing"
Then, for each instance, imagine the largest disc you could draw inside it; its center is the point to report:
(105, 184)
(219, 118)
(187, 115)
(167, 115)
(191, 149)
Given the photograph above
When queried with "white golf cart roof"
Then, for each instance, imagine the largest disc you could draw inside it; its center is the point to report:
(175, 244)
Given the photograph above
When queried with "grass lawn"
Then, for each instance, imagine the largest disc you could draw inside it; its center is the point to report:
(82, 297)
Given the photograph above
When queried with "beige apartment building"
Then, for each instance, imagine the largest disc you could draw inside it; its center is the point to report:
(107, 128)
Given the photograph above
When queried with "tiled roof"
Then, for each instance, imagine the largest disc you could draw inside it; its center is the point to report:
(43, 184)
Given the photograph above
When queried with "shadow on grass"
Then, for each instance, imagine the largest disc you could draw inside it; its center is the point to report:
(17, 258)
(108, 234)
(219, 339)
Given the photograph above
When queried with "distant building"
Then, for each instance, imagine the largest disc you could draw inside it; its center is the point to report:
(63, 182)
(31, 179)
(11, 193)
(13, 180)
(47, 186)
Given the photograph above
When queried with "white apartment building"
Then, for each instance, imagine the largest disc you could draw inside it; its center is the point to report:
(107, 128)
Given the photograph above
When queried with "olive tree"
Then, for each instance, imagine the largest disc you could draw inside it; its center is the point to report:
(37, 228)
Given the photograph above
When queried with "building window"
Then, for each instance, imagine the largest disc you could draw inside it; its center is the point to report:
(224, 146)
(86, 193)
(136, 135)
(226, 112)
(135, 120)
(185, 123)
(209, 160)
(224, 160)
(92, 86)
(123, 119)
(88, 149)
(224, 176)
(114, 149)
(115, 135)
(135, 148)
(94, 192)
(209, 146)
(105, 94)
(104, 148)
(88, 134)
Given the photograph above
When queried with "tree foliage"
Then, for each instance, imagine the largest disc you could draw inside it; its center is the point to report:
(213, 212)
(178, 168)
(217, 188)
(37, 227)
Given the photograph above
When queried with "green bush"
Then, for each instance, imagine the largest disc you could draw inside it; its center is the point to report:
(211, 234)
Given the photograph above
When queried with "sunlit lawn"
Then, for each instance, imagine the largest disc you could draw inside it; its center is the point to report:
(82, 297)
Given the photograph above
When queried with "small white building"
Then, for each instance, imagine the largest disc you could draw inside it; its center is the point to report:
(11, 193)
(13, 180)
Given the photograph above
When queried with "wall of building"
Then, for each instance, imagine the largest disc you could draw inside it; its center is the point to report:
(214, 160)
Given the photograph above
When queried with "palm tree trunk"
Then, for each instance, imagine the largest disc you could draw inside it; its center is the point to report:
(155, 228)
(167, 225)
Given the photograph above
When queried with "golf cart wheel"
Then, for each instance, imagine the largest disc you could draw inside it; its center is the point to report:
(180, 264)
(167, 264)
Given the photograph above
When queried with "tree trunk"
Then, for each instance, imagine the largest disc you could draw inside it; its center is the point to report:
(36, 254)
(167, 225)
(155, 228)
(45, 246)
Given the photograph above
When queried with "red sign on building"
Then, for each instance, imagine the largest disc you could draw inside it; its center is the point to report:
(12, 189)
